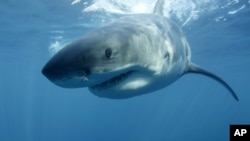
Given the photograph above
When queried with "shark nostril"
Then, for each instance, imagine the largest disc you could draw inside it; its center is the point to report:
(83, 71)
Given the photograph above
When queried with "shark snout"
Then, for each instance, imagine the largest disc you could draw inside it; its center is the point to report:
(53, 72)
(50, 72)
(66, 73)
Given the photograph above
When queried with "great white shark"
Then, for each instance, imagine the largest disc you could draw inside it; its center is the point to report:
(134, 55)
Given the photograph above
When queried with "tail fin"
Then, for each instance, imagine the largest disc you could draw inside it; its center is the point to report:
(159, 7)
(192, 68)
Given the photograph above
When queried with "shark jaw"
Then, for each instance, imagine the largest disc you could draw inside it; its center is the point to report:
(114, 81)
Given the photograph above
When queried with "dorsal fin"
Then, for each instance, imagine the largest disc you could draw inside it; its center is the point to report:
(192, 68)
(159, 7)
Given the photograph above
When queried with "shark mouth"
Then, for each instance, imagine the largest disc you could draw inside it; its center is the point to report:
(112, 82)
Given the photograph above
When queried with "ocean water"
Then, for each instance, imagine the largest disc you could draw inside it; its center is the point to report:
(194, 108)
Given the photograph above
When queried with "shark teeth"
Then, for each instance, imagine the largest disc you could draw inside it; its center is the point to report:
(113, 81)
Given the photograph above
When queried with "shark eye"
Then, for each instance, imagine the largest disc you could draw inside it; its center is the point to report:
(108, 52)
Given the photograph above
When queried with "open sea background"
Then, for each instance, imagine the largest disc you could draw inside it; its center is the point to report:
(194, 108)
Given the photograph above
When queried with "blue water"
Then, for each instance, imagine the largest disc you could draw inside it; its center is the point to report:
(194, 108)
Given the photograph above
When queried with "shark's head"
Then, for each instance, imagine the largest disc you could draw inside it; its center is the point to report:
(103, 60)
